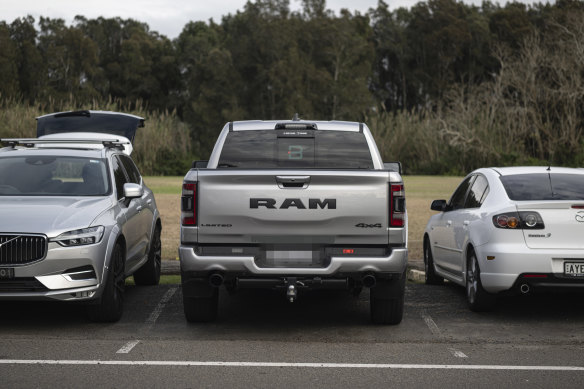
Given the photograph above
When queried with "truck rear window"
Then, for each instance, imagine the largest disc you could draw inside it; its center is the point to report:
(543, 186)
(295, 149)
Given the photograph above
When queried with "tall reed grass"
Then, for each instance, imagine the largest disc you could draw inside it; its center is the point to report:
(162, 147)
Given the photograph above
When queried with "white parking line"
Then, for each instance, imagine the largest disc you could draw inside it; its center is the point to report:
(150, 321)
(128, 347)
(431, 325)
(288, 364)
(458, 354)
(158, 310)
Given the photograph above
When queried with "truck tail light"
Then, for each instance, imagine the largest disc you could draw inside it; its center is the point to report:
(189, 204)
(397, 205)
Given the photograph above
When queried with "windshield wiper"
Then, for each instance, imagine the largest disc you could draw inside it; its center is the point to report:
(227, 165)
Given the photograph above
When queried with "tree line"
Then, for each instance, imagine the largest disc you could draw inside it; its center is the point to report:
(445, 86)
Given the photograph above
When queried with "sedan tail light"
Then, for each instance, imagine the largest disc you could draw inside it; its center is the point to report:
(525, 220)
(189, 204)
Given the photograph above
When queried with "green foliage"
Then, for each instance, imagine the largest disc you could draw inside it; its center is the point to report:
(445, 86)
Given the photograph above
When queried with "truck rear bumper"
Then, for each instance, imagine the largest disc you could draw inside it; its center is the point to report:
(396, 262)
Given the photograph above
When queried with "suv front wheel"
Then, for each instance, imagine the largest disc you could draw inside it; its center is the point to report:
(111, 305)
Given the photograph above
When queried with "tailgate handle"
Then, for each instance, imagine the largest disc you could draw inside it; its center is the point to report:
(286, 182)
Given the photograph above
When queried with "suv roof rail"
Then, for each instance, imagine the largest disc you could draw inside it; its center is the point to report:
(31, 142)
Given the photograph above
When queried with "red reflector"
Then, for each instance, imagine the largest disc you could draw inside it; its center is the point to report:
(534, 276)
(578, 206)
(189, 221)
(348, 251)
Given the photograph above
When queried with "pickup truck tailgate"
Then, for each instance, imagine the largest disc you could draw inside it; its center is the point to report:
(298, 207)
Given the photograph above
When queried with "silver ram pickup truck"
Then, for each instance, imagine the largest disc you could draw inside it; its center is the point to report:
(294, 205)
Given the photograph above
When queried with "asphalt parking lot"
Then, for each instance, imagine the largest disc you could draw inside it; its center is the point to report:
(321, 340)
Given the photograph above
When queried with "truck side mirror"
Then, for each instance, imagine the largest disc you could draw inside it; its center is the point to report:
(393, 166)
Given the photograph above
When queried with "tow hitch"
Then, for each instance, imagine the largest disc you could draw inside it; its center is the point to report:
(292, 284)
(291, 290)
(291, 294)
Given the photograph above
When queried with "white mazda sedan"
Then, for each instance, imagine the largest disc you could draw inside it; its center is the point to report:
(509, 229)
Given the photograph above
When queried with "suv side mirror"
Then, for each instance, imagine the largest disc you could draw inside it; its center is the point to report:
(393, 166)
(132, 191)
(200, 164)
(438, 205)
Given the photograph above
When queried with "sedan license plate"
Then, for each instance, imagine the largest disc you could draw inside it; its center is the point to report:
(574, 269)
(6, 273)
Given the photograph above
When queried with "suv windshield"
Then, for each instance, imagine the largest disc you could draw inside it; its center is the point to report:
(49, 175)
(296, 149)
(543, 186)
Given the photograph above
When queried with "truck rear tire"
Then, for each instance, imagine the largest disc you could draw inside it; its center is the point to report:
(201, 309)
(387, 301)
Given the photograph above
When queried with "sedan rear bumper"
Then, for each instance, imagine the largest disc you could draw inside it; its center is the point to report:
(504, 266)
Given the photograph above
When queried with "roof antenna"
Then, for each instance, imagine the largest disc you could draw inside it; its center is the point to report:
(296, 118)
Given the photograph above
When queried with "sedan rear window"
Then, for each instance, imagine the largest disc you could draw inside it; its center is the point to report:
(543, 186)
(296, 149)
(49, 175)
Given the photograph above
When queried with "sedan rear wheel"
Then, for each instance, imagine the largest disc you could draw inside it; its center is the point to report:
(479, 300)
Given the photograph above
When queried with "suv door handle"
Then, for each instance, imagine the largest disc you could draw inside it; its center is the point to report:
(466, 222)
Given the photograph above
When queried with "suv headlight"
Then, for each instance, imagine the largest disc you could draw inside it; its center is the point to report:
(81, 237)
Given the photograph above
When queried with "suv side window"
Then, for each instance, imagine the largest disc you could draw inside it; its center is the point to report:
(119, 177)
(477, 193)
(458, 198)
(131, 169)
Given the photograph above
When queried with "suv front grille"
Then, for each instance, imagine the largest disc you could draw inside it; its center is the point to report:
(21, 249)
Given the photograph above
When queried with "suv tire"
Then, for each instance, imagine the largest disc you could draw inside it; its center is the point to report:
(149, 273)
(111, 305)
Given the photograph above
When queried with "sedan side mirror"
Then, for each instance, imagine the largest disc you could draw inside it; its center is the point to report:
(438, 205)
(132, 191)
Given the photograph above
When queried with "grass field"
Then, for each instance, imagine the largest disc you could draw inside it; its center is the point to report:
(420, 191)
